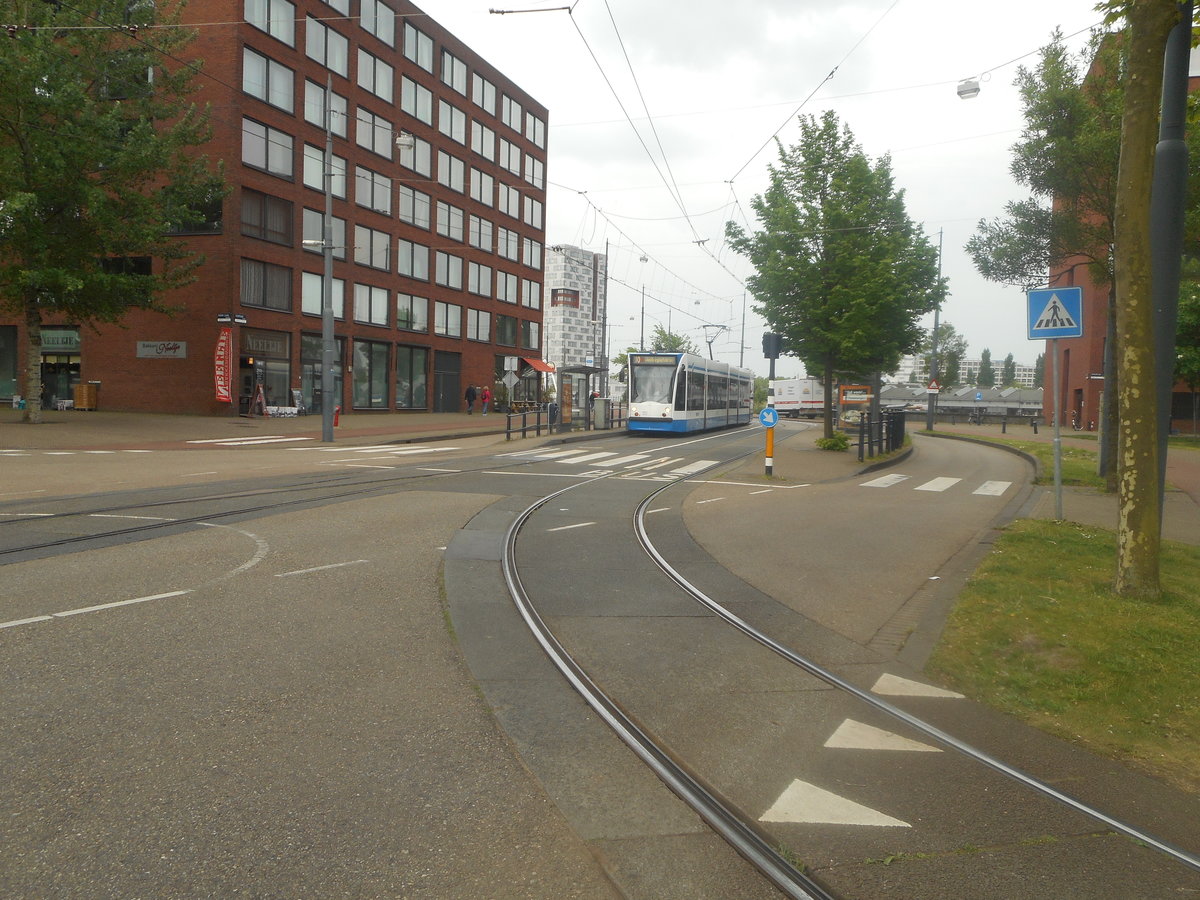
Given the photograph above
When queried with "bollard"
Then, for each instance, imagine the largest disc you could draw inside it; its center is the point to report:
(1004, 425)
(1033, 422)
(337, 414)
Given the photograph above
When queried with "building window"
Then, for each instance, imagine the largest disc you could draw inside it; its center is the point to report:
(414, 207)
(266, 286)
(378, 19)
(448, 270)
(412, 364)
(506, 331)
(418, 47)
(314, 230)
(483, 140)
(370, 304)
(480, 234)
(269, 81)
(479, 325)
(326, 46)
(267, 218)
(535, 131)
(314, 108)
(483, 187)
(267, 149)
(535, 172)
(510, 201)
(412, 260)
(373, 190)
(373, 132)
(508, 245)
(454, 72)
(370, 375)
(312, 286)
(483, 93)
(450, 221)
(532, 252)
(342, 6)
(506, 287)
(416, 100)
(533, 212)
(375, 75)
(372, 248)
(479, 279)
(418, 158)
(314, 171)
(447, 319)
(510, 157)
(452, 122)
(510, 113)
(530, 335)
(531, 294)
(276, 17)
(451, 172)
(412, 313)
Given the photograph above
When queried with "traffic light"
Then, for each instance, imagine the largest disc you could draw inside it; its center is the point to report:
(772, 345)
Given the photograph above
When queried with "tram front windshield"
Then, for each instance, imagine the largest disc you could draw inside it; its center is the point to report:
(651, 383)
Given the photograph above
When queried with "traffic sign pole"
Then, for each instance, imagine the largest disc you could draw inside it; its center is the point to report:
(770, 450)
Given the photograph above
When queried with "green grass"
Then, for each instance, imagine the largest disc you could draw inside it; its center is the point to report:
(1078, 463)
(1039, 633)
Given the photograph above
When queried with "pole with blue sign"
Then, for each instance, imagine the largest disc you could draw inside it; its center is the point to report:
(769, 418)
(1054, 314)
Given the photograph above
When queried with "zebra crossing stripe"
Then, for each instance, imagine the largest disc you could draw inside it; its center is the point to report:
(938, 484)
(884, 481)
(993, 488)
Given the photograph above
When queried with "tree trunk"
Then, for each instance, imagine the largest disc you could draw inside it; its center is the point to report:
(1139, 530)
(827, 385)
(1109, 422)
(33, 363)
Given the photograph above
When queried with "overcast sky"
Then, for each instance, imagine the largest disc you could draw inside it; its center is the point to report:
(720, 79)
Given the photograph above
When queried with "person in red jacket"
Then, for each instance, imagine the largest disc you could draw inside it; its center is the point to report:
(485, 398)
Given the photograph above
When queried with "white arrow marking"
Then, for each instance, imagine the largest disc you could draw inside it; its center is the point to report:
(852, 735)
(806, 803)
(895, 686)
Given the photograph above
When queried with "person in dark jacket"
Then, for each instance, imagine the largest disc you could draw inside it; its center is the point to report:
(469, 396)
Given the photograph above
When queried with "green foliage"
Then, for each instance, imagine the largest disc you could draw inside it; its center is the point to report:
(841, 271)
(839, 440)
(951, 349)
(1187, 338)
(987, 372)
(97, 164)
(1008, 375)
(669, 342)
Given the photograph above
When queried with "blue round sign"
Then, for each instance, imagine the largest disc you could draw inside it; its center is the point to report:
(768, 417)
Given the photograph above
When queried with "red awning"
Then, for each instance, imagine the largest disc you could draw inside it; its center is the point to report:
(538, 364)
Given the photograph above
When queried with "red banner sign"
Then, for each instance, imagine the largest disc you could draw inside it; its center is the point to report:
(223, 366)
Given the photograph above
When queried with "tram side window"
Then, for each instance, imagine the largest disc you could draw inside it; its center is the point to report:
(718, 388)
(695, 398)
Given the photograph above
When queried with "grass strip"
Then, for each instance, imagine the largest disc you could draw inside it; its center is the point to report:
(1039, 633)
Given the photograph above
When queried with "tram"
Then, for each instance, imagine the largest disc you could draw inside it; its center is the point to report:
(681, 392)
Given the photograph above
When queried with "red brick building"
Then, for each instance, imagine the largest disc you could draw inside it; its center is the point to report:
(439, 167)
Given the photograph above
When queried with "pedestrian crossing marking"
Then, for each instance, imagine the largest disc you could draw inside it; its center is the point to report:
(895, 686)
(592, 457)
(938, 484)
(993, 488)
(885, 481)
(808, 804)
(852, 735)
(692, 468)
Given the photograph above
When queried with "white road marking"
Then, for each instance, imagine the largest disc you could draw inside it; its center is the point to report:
(884, 481)
(101, 452)
(665, 461)
(28, 515)
(430, 469)
(224, 439)
(554, 454)
(193, 474)
(895, 686)
(693, 468)
(569, 527)
(807, 803)
(852, 735)
(356, 562)
(660, 509)
(141, 518)
(591, 457)
(992, 488)
(626, 460)
(767, 491)
(938, 484)
(15, 622)
(271, 440)
(778, 487)
(60, 453)
(100, 606)
(540, 474)
(712, 500)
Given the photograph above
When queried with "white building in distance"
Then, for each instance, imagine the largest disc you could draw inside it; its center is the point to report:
(574, 309)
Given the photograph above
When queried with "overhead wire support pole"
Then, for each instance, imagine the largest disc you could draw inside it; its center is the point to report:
(327, 339)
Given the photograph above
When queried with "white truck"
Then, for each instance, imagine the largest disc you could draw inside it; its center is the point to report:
(796, 397)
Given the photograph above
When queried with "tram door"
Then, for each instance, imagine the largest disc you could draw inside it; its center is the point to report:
(447, 381)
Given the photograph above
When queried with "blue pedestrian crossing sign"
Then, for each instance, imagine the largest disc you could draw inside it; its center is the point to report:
(769, 417)
(1055, 313)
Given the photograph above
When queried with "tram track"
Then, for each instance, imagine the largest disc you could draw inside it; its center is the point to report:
(744, 834)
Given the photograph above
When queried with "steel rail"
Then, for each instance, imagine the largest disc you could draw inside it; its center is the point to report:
(1177, 853)
(724, 819)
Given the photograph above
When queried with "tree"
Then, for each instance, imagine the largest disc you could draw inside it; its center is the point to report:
(1039, 371)
(1139, 522)
(951, 350)
(1067, 156)
(841, 271)
(987, 372)
(669, 342)
(1008, 375)
(621, 361)
(96, 166)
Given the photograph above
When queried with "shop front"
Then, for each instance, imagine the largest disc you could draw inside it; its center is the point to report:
(264, 359)
(60, 365)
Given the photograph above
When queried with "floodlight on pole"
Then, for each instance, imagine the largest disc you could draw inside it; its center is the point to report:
(968, 88)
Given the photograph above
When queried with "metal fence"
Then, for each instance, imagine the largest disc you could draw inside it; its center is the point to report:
(881, 435)
(546, 416)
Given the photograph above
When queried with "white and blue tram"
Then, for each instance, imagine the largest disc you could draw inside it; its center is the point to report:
(681, 392)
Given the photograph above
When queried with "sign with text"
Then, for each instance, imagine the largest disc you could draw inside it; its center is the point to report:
(223, 366)
(162, 349)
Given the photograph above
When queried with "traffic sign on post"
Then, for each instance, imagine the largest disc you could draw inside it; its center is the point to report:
(1055, 313)
(769, 417)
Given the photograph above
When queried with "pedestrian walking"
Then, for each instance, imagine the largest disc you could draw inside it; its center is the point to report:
(485, 398)
(469, 396)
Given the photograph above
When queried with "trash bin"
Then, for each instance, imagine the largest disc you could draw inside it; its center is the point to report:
(602, 413)
(87, 395)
